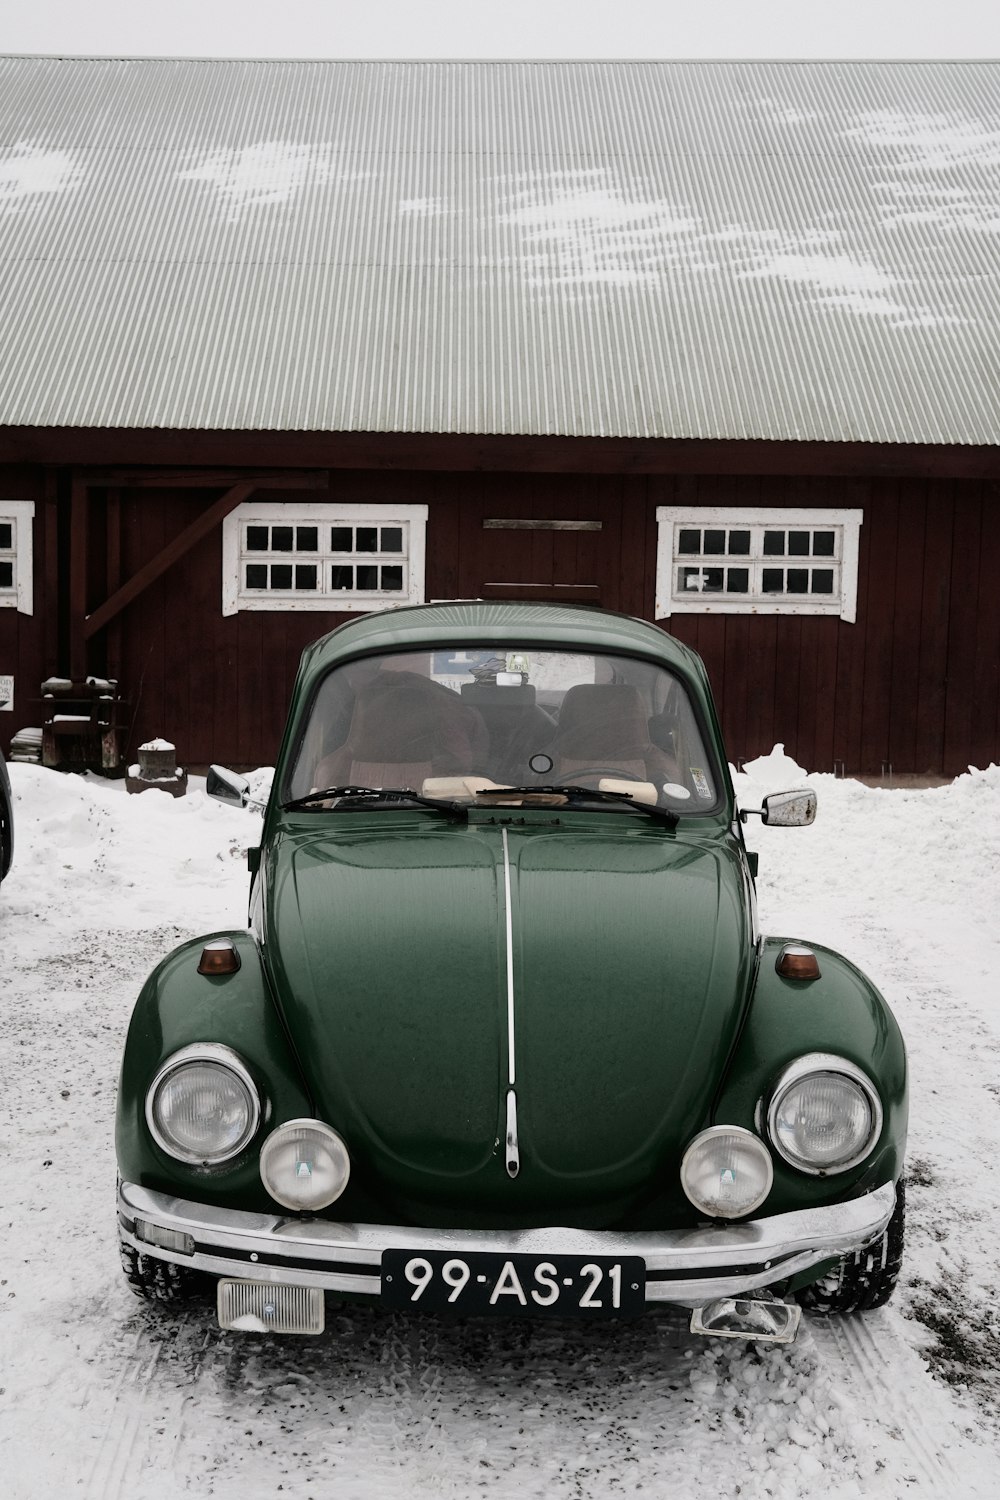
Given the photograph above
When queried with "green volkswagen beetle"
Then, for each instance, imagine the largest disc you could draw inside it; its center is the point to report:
(502, 1035)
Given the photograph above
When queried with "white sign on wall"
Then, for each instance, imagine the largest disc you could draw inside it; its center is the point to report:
(6, 694)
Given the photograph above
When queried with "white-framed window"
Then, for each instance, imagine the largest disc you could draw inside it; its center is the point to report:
(16, 573)
(729, 560)
(339, 558)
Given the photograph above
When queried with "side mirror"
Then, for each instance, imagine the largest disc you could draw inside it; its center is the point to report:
(789, 809)
(226, 786)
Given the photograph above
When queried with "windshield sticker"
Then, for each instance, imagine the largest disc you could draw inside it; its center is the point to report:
(702, 785)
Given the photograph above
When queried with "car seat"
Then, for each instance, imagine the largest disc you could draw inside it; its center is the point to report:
(604, 726)
(405, 728)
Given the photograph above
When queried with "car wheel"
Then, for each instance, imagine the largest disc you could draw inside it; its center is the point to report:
(160, 1280)
(865, 1280)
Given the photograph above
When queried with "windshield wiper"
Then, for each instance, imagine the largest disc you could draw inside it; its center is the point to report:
(356, 796)
(588, 794)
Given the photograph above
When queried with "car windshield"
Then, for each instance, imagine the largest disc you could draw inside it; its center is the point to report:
(460, 724)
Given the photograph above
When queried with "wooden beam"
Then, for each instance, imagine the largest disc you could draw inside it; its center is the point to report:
(113, 529)
(250, 453)
(50, 608)
(174, 550)
(183, 479)
(78, 537)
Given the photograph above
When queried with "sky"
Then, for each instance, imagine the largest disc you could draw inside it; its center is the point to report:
(507, 28)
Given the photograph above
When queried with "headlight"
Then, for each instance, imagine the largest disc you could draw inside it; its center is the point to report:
(202, 1106)
(726, 1171)
(825, 1115)
(304, 1164)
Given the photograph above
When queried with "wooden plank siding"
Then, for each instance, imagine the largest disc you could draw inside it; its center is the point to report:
(914, 683)
(986, 670)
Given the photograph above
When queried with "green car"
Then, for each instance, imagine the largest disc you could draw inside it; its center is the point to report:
(6, 820)
(503, 1035)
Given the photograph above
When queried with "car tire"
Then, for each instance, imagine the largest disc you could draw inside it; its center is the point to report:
(160, 1280)
(865, 1280)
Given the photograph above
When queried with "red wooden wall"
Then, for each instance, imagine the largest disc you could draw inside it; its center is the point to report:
(914, 683)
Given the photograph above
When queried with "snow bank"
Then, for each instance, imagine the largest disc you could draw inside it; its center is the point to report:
(104, 859)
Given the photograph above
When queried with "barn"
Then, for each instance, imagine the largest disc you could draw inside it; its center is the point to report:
(715, 344)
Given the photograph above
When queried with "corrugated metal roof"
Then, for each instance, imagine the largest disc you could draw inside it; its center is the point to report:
(687, 250)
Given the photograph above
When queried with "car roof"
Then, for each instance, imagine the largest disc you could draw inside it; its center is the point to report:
(558, 625)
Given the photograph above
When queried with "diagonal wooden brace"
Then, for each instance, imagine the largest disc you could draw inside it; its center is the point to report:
(174, 550)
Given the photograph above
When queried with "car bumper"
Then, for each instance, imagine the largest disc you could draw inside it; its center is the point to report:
(687, 1267)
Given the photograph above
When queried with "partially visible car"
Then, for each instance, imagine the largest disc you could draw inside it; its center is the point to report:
(6, 820)
(504, 1034)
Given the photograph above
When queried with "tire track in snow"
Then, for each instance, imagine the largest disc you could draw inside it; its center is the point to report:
(141, 1411)
(911, 1422)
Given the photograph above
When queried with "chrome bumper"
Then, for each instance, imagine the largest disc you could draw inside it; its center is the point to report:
(688, 1267)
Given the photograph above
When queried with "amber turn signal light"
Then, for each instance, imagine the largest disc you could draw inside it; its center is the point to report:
(219, 958)
(797, 962)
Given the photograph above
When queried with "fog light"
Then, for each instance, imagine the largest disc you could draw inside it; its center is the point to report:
(260, 1307)
(304, 1165)
(726, 1172)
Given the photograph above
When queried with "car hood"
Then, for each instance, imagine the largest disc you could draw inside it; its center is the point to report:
(387, 946)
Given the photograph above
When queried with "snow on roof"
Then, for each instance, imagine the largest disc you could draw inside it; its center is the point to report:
(681, 250)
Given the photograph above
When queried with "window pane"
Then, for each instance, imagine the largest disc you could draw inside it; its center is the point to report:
(823, 543)
(6, 535)
(256, 575)
(702, 580)
(693, 580)
(715, 543)
(281, 538)
(774, 580)
(798, 580)
(737, 580)
(367, 539)
(822, 581)
(257, 538)
(341, 578)
(392, 538)
(392, 578)
(798, 544)
(6, 575)
(281, 575)
(739, 544)
(306, 538)
(774, 544)
(689, 543)
(342, 540)
(305, 576)
(368, 577)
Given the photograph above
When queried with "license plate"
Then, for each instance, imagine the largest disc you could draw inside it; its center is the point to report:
(483, 1282)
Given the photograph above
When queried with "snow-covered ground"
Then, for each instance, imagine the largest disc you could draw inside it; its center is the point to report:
(101, 1396)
